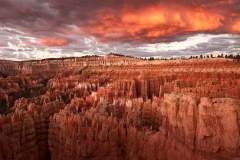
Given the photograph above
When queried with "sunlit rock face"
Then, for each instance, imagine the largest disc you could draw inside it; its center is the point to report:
(121, 108)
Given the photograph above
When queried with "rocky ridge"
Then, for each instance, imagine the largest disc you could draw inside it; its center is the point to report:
(183, 109)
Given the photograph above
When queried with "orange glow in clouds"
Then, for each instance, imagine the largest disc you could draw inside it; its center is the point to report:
(54, 41)
(236, 27)
(154, 22)
(28, 43)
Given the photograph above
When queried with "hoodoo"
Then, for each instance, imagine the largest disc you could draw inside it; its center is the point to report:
(120, 108)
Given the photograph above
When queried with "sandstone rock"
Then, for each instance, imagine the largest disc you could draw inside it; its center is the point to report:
(122, 108)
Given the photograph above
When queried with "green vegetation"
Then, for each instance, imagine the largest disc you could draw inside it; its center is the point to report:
(62, 58)
(3, 75)
(151, 59)
(236, 57)
(89, 56)
(144, 58)
(80, 70)
(26, 93)
(121, 55)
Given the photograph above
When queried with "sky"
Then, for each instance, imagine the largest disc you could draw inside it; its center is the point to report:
(37, 29)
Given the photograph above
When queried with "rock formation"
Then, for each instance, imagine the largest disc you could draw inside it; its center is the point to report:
(120, 108)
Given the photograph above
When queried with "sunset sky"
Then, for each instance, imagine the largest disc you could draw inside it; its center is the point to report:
(36, 29)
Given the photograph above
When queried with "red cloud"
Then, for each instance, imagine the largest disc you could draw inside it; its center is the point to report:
(27, 42)
(54, 41)
(235, 27)
(14, 42)
(151, 23)
(122, 21)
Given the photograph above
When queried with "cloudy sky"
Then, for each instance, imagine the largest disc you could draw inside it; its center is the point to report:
(35, 29)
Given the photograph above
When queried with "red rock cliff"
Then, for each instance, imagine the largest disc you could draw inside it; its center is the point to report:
(121, 108)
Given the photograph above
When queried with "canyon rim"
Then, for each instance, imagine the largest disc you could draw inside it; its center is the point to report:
(120, 108)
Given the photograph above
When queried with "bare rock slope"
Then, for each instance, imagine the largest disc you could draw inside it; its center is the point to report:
(121, 108)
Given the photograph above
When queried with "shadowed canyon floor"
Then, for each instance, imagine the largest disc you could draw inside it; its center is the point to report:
(120, 108)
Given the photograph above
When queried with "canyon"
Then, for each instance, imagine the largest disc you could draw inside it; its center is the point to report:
(120, 108)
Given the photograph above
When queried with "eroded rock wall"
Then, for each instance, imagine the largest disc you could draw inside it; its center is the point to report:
(123, 108)
(185, 131)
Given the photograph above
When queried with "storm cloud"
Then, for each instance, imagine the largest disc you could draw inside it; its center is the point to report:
(54, 28)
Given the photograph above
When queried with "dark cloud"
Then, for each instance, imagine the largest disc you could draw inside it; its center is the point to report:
(93, 26)
(205, 44)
